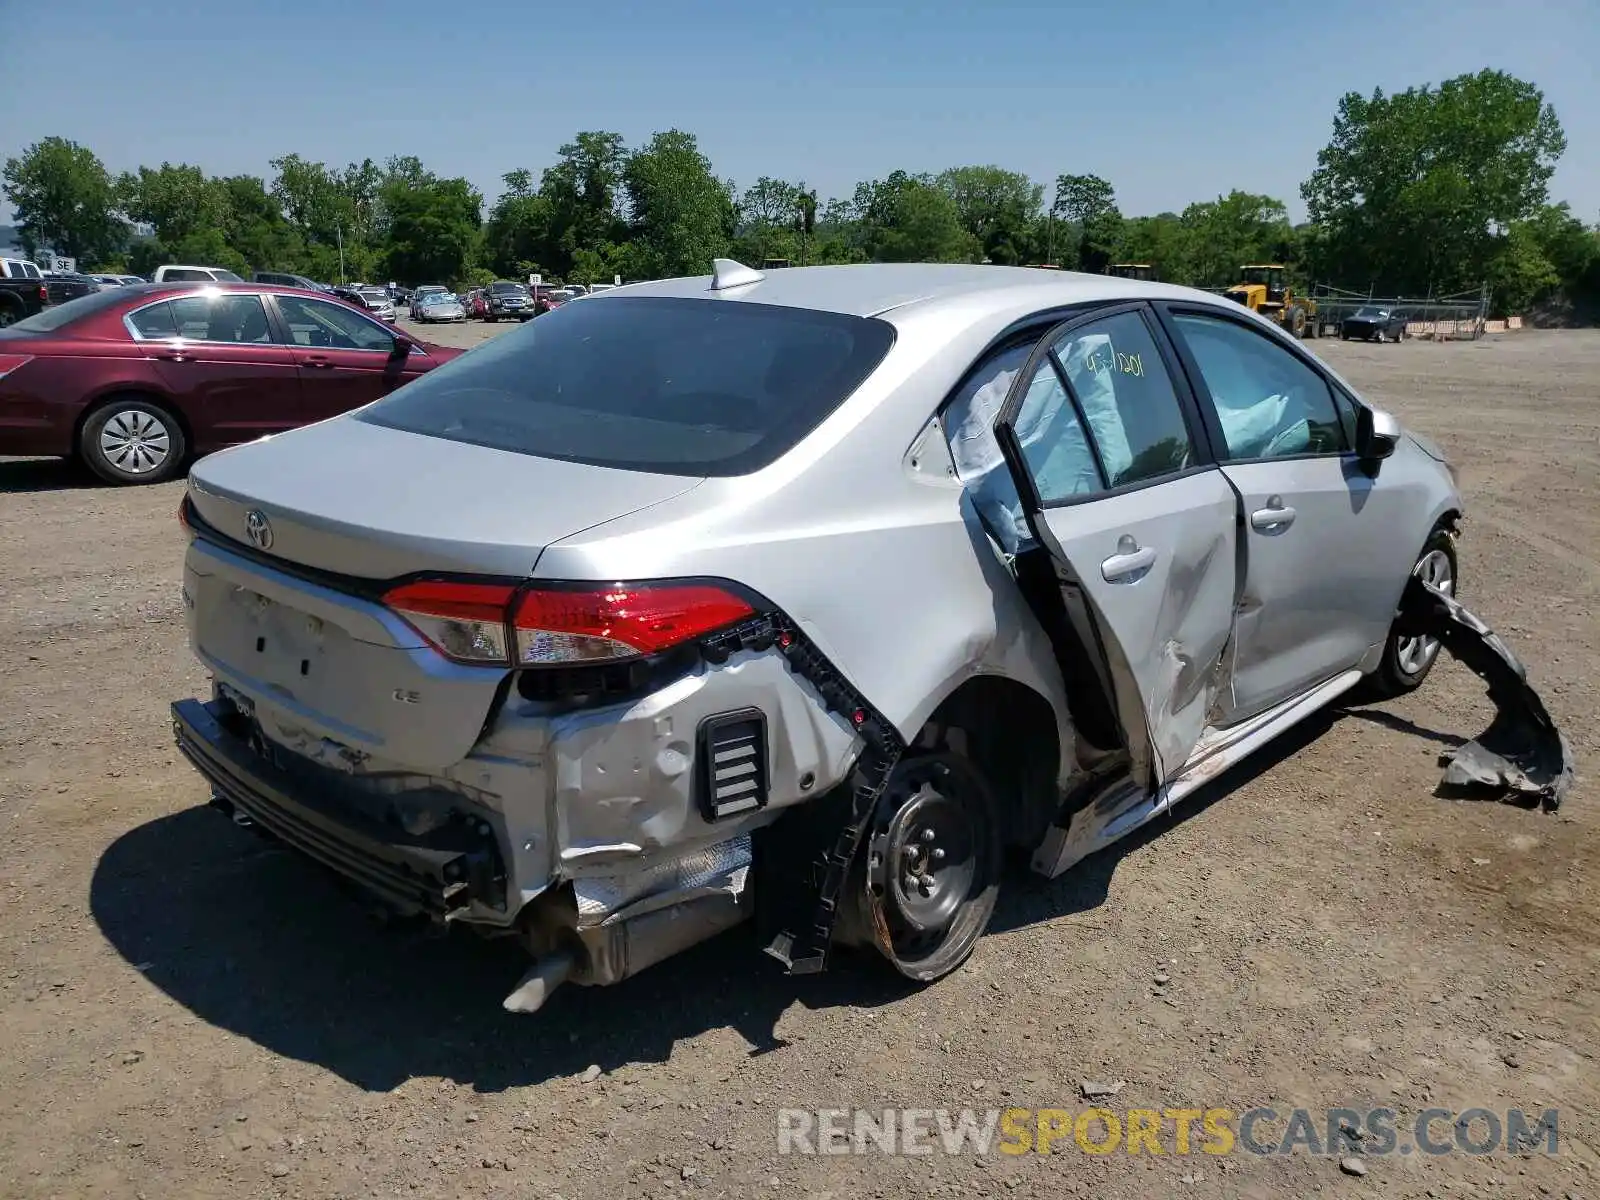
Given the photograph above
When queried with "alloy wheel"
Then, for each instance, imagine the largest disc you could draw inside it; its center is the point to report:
(1414, 654)
(135, 441)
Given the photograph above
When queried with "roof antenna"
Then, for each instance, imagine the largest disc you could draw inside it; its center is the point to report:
(726, 273)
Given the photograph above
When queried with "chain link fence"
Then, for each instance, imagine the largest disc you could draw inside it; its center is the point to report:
(1462, 316)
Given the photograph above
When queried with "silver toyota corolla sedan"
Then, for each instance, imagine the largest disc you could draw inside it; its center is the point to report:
(799, 597)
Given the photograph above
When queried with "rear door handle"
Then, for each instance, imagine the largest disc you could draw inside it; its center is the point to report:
(1123, 566)
(1276, 516)
(315, 360)
(173, 356)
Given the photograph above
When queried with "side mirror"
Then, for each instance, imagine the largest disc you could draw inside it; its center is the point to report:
(1377, 435)
(403, 345)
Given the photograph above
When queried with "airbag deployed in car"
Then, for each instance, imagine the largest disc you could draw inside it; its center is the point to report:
(1522, 750)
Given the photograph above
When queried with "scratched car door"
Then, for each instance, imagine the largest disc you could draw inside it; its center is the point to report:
(1137, 522)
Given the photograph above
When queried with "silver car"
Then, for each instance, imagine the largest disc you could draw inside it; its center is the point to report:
(422, 293)
(800, 597)
(438, 306)
(378, 302)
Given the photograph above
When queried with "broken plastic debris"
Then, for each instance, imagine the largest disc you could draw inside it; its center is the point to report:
(1522, 750)
(1101, 1091)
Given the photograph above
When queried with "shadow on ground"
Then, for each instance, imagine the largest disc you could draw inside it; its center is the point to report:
(46, 475)
(255, 940)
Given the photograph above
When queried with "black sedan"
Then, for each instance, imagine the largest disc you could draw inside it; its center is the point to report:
(1374, 324)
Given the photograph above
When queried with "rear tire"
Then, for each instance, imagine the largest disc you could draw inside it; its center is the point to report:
(10, 311)
(1407, 661)
(931, 866)
(133, 440)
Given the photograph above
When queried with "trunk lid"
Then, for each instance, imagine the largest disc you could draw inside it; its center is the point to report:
(376, 503)
(328, 670)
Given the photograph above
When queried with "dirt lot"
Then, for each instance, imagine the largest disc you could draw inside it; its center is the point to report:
(185, 1011)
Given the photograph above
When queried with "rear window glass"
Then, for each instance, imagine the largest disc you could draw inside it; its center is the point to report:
(676, 386)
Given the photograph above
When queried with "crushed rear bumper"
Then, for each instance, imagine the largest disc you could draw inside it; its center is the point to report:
(442, 874)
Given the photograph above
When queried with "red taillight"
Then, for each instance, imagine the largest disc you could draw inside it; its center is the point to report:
(469, 622)
(10, 362)
(620, 621)
(463, 621)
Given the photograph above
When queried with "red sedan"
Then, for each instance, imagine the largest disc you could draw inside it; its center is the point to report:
(138, 380)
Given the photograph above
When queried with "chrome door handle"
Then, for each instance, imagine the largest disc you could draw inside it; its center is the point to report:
(1132, 562)
(1274, 517)
(173, 356)
(315, 362)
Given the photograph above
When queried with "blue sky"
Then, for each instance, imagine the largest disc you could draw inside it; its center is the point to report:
(1171, 100)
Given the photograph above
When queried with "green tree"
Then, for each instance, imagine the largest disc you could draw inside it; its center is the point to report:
(925, 226)
(1089, 203)
(583, 190)
(907, 218)
(1572, 248)
(335, 213)
(517, 233)
(1226, 233)
(1417, 191)
(254, 226)
(766, 219)
(64, 198)
(682, 214)
(176, 201)
(433, 229)
(996, 206)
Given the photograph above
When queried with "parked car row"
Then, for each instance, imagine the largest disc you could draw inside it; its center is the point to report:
(502, 300)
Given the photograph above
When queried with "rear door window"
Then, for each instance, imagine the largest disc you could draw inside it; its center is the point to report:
(222, 318)
(672, 385)
(154, 322)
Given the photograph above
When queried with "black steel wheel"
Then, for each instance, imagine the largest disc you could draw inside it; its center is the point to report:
(931, 873)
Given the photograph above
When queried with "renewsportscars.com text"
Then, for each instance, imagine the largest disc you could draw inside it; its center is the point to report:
(1215, 1131)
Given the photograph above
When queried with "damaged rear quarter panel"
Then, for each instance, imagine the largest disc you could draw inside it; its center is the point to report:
(879, 566)
(618, 782)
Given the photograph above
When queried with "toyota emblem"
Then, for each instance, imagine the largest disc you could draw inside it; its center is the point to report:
(258, 529)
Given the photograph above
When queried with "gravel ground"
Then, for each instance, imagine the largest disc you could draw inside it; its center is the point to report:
(185, 1011)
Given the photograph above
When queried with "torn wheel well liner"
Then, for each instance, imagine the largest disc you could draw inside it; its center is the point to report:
(1008, 731)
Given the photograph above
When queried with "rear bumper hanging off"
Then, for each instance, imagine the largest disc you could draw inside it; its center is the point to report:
(1522, 751)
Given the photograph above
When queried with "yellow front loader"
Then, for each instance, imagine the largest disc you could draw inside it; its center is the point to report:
(1264, 288)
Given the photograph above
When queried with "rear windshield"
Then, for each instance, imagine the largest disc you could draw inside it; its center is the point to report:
(58, 316)
(675, 386)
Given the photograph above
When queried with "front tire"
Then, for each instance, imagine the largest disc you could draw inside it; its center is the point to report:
(1408, 660)
(133, 440)
(930, 876)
